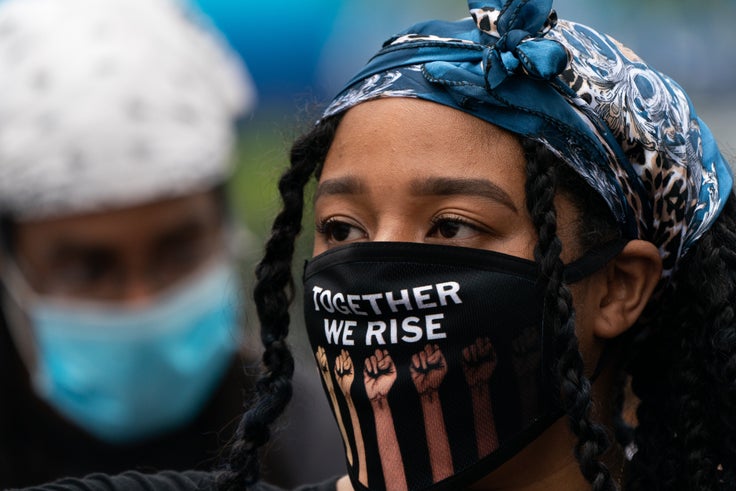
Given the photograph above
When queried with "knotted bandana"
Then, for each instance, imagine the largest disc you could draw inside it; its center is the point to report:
(630, 131)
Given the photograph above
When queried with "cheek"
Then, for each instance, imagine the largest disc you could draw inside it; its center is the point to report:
(582, 304)
(319, 246)
(32, 252)
(568, 228)
(587, 313)
(526, 245)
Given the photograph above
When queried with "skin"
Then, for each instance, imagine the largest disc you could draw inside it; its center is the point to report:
(345, 376)
(379, 376)
(324, 370)
(413, 171)
(428, 369)
(479, 362)
(125, 255)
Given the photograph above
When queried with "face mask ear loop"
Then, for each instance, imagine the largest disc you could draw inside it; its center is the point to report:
(589, 263)
(16, 296)
(593, 260)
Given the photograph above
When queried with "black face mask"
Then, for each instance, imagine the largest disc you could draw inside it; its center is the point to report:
(435, 359)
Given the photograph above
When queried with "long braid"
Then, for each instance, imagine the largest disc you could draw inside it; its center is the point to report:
(724, 340)
(671, 437)
(654, 466)
(273, 292)
(684, 370)
(722, 365)
(701, 458)
(575, 388)
(622, 427)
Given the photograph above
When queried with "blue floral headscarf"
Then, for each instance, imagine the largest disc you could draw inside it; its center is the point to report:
(630, 131)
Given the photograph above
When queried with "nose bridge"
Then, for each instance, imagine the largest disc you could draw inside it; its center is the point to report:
(138, 280)
(138, 291)
(399, 227)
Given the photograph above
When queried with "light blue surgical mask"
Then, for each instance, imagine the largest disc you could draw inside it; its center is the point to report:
(126, 374)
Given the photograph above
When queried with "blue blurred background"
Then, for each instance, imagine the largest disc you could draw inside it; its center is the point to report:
(299, 51)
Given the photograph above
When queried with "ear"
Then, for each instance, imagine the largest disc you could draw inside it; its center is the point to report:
(630, 279)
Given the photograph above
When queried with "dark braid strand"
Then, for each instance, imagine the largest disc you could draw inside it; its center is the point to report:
(273, 292)
(623, 430)
(683, 367)
(722, 335)
(575, 388)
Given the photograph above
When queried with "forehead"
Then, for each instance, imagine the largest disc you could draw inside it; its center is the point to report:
(117, 227)
(396, 139)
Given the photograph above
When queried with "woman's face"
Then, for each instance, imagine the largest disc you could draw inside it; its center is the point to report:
(413, 171)
(409, 170)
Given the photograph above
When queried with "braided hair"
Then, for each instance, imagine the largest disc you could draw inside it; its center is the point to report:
(273, 293)
(682, 363)
(680, 356)
(666, 357)
(575, 388)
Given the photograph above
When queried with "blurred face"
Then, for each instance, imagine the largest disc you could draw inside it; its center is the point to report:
(126, 255)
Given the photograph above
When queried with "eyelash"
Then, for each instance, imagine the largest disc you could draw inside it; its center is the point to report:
(454, 219)
(323, 224)
(326, 225)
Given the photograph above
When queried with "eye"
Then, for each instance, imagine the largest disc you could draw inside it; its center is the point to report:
(83, 273)
(336, 230)
(175, 259)
(453, 227)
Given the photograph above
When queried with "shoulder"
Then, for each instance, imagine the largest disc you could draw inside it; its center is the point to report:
(329, 485)
(162, 481)
(134, 481)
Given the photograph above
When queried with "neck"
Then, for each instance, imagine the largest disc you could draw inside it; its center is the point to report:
(552, 468)
(548, 462)
(547, 473)
(543, 465)
(343, 484)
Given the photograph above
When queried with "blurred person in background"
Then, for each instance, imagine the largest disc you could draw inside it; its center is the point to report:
(120, 301)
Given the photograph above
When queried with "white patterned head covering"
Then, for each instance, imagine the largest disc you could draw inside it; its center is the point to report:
(110, 103)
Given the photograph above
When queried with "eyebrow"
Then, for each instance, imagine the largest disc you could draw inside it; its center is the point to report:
(70, 251)
(430, 186)
(341, 185)
(448, 186)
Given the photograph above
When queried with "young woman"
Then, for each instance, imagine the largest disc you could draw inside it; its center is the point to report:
(519, 227)
(521, 230)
